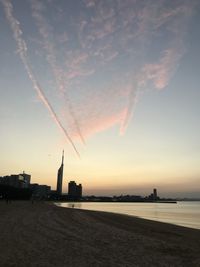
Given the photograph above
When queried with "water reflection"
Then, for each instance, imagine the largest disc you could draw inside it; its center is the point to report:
(183, 213)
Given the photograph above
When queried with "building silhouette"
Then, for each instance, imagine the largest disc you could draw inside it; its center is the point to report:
(15, 186)
(155, 196)
(26, 179)
(16, 180)
(60, 177)
(40, 191)
(74, 190)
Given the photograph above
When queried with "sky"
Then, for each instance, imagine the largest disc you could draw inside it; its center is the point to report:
(113, 83)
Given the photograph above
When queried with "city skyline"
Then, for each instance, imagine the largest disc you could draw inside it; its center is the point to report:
(116, 85)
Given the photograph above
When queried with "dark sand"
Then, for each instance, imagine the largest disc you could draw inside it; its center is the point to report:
(45, 235)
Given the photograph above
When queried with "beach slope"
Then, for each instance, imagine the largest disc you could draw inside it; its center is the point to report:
(42, 234)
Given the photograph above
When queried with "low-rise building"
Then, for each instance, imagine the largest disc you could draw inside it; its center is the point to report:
(16, 180)
(40, 191)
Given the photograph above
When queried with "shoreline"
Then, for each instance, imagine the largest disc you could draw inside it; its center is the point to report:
(179, 221)
(43, 234)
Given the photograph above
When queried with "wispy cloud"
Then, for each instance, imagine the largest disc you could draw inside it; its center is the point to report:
(22, 50)
(160, 73)
(155, 20)
(105, 54)
(61, 82)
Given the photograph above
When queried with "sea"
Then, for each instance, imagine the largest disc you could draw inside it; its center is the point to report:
(184, 213)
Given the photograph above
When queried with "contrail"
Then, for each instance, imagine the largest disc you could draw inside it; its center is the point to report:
(22, 50)
(133, 98)
(44, 30)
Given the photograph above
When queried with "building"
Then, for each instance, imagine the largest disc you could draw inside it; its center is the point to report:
(155, 196)
(16, 180)
(79, 190)
(40, 191)
(26, 179)
(74, 190)
(60, 177)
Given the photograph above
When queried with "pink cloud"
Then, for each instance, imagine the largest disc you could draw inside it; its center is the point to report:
(100, 45)
(124, 30)
(100, 124)
(22, 47)
(161, 72)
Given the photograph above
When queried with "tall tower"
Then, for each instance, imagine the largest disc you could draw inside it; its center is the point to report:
(155, 196)
(60, 176)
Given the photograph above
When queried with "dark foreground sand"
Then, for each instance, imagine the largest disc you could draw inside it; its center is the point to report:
(45, 235)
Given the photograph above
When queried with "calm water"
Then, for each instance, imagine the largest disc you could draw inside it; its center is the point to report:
(183, 213)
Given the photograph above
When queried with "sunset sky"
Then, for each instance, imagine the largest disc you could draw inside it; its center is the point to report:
(115, 83)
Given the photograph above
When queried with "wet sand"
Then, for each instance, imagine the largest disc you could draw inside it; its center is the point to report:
(42, 234)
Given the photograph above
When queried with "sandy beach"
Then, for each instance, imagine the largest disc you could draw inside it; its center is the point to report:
(42, 234)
